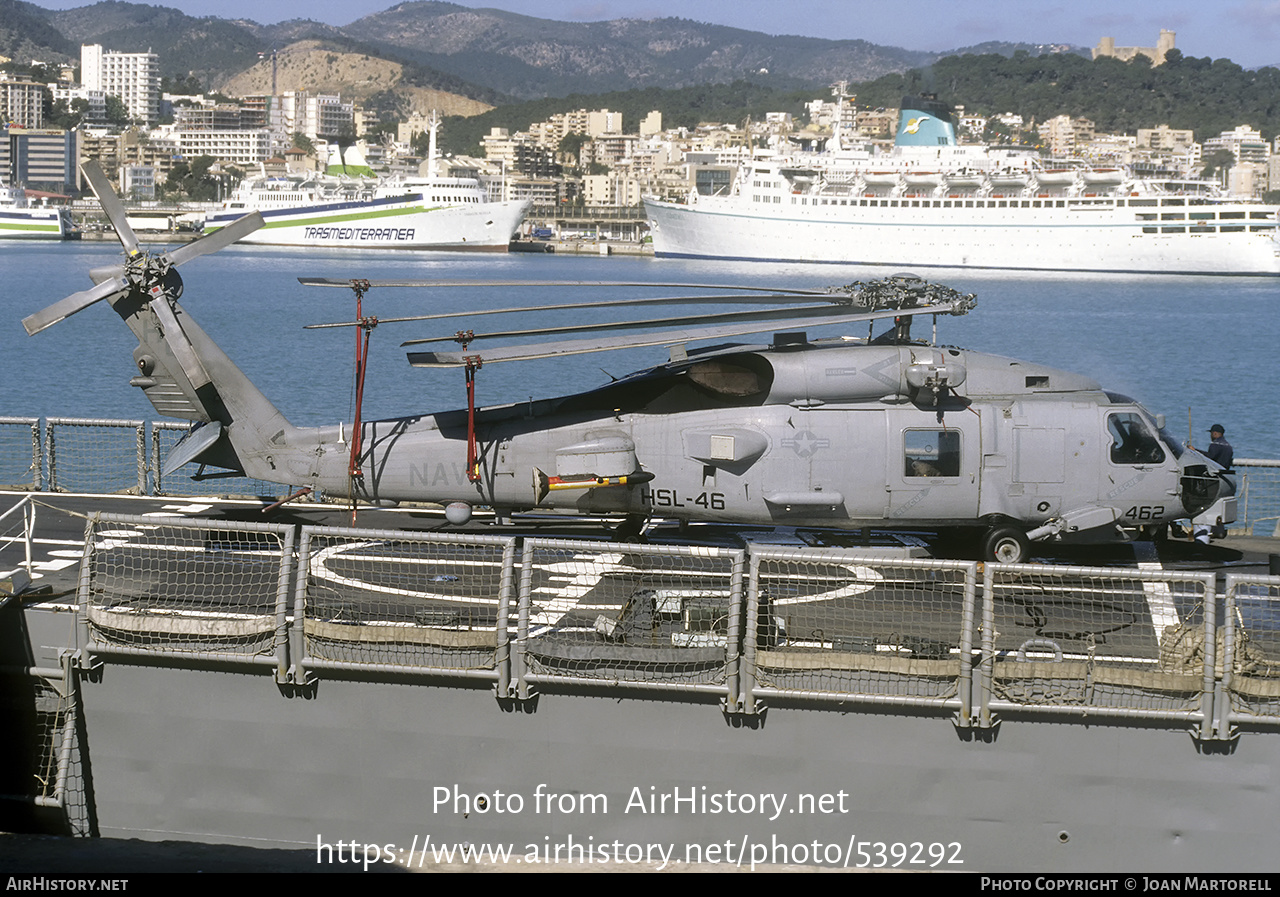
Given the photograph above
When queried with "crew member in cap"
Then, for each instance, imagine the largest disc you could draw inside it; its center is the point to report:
(1220, 452)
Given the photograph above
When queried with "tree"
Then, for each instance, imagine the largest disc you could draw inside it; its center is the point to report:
(67, 117)
(1217, 163)
(192, 180)
(187, 84)
(117, 111)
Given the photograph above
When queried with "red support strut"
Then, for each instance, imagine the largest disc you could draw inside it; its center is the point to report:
(473, 454)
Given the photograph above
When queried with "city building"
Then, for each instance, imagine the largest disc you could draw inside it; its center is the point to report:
(137, 182)
(21, 103)
(204, 118)
(1165, 139)
(1243, 142)
(1063, 134)
(33, 158)
(238, 147)
(610, 190)
(316, 116)
(133, 77)
(96, 100)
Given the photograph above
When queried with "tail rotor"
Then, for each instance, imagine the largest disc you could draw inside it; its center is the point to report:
(152, 276)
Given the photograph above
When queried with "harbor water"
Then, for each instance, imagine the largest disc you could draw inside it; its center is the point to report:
(1197, 347)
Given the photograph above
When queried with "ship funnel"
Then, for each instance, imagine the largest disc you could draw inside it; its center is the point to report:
(924, 121)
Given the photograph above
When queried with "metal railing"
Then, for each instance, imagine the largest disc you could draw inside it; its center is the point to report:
(749, 627)
(1258, 496)
(21, 453)
(17, 528)
(106, 456)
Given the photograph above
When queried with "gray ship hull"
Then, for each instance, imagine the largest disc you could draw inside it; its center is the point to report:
(345, 691)
(226, 757)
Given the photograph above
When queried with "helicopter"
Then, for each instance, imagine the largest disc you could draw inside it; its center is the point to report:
(885, 431)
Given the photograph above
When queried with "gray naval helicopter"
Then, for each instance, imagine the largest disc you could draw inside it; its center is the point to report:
(885, 431)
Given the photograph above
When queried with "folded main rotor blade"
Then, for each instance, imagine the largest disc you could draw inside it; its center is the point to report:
(65, 308)
(219, 239)
(670, 337)
(331, 282)
(111, 204)
(569, 306)
(105, 273)
(791, 312)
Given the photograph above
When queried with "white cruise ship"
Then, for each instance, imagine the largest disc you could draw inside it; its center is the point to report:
(933, 203)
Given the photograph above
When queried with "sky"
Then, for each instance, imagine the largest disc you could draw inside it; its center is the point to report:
(1246, 31)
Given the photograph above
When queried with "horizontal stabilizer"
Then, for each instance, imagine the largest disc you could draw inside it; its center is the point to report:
(191, 446)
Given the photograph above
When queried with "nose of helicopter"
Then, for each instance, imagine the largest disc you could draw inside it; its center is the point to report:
(1204, 484)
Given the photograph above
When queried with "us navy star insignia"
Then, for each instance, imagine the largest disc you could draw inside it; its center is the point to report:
(805, 443)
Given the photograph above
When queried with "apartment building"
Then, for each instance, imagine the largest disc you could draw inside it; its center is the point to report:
(22, 103)
(133, 77)
(38, 158)
(235, 146)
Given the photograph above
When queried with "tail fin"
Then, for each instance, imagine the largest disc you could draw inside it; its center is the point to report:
(184, 374)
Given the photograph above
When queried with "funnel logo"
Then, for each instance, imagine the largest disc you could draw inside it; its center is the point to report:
(913, 125)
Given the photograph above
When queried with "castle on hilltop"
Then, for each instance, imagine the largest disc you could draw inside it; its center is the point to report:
(1107, 47)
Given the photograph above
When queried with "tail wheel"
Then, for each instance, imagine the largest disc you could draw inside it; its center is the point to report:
(1006, 545)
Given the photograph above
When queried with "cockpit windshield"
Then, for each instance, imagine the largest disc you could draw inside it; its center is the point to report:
(1133, 441)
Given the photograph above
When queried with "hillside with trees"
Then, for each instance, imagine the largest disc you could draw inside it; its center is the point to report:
(1204, 95)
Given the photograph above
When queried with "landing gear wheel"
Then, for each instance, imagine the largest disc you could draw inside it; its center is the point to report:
(631, 529)
(1156, 532)
(1006, 545)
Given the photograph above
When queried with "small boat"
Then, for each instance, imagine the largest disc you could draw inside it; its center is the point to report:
(1103, 177)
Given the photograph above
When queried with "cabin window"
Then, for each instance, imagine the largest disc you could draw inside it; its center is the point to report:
(1132, 440)
(931, 453)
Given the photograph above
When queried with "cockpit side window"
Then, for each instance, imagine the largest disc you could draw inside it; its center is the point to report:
(1132, 440)
(931, 453)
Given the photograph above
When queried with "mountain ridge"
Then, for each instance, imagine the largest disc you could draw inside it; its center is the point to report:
(485, 54)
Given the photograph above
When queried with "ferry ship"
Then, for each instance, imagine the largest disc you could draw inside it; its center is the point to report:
(21, 221)
(337, 211)
(431, 213)
(931, 202)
